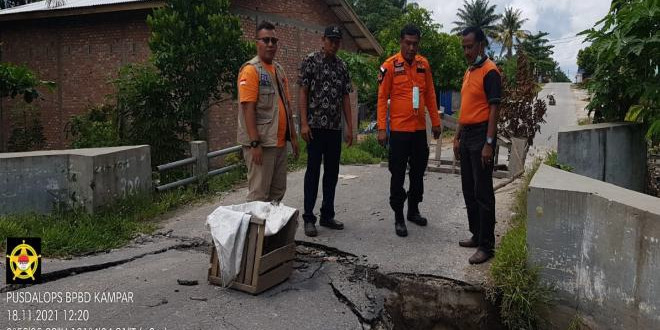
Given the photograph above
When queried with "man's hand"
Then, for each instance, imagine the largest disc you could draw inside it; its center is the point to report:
(382, 137)
(295, 147)
(436, 131)
(487, 155)
(306, 133)
(457, 149)
(257, 155)
(349, 137)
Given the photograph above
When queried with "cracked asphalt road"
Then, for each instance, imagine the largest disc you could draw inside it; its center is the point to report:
(330, 287)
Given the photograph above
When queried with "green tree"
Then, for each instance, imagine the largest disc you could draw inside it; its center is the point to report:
(197, 46)
(558, 75)
(363, 69)
(626, 81)
(377, 14)
(587, 60)
(147, 112)
(539, 51)
(26, 128)
(478, 13)
(509, 30)
(19, 80)
(443, 51)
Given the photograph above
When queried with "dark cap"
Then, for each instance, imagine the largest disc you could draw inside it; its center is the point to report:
(332, 31)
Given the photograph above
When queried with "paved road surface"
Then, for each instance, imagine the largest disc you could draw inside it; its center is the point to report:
(563, 114)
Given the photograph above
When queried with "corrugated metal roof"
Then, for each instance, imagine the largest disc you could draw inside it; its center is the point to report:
(68, 4)
(352, 23)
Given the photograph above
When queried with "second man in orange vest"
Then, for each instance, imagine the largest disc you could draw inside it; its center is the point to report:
(405, 80)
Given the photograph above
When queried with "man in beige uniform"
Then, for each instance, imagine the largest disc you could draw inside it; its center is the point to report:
(264, 119)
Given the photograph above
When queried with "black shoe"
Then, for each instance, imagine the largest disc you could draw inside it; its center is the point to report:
(310, 229)
(417, 219)
(480, 257)
(468, 243)
(332, 224)
(400, 228)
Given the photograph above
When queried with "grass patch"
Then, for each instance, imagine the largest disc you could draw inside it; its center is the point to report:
(584, 121)
(371, 146)
(75, 232)
(552, 160)
(516, 286)
(368, 151)
(355, 155)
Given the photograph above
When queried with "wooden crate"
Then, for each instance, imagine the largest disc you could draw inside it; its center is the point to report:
(267, 260)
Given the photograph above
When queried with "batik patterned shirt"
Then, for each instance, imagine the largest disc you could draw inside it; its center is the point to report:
(328, 81)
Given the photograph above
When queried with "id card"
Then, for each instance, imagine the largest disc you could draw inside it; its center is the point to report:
(415, 97)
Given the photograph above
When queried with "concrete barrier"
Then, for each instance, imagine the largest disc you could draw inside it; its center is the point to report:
(599, 245)
(611, 152)
(88, 178)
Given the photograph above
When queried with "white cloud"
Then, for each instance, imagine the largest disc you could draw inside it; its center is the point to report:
(563, 19)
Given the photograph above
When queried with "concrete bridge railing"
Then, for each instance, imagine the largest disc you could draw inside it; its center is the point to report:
(599, 245)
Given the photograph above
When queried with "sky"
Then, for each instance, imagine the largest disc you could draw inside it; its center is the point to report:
(563, 19)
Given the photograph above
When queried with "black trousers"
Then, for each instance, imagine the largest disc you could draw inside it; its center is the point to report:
(407, 148)
(477, 182)
(325, 147)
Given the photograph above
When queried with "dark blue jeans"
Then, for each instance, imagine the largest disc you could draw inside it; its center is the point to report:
(325, 147)
(477, 182)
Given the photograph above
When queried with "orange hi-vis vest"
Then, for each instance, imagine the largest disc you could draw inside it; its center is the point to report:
(397, 79)
(475, 108)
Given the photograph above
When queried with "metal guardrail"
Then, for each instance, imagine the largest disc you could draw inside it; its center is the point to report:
(222, 152)
(176, 164)
(200, 161)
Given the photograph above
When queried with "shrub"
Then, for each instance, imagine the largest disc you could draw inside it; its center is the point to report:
(95, 128)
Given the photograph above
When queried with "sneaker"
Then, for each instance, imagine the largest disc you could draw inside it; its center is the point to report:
(310, 229)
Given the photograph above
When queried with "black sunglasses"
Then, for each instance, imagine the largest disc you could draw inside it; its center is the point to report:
(268, 40)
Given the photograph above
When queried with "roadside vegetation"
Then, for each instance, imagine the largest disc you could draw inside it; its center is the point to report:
(515, 284)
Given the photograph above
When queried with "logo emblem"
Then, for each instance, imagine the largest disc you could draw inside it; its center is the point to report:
(23, 260)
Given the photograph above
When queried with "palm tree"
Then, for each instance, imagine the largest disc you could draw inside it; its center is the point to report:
(509, 30)
(477, 13)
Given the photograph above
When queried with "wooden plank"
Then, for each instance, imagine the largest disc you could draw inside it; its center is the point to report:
(241, 274)
(276, 276)
(277, 257)
(215, 280)
(518, 154)
(244, 288)
(249, 262)
(213, 266)
(257, 220)
(292, 226)
(257, 255)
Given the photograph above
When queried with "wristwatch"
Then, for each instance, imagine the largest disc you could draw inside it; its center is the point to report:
(254, 144)
(489, 140)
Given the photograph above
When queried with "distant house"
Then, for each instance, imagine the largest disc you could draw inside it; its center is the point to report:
(81, 45)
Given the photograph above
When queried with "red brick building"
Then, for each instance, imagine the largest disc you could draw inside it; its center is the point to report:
(81, 45)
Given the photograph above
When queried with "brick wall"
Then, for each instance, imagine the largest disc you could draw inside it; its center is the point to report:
(83, 53)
